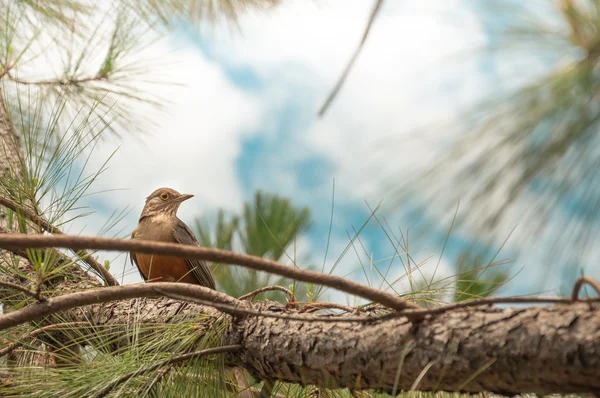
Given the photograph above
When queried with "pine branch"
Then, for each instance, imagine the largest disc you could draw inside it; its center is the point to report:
(71, 81)
(33, 334)
(533, 348)
(103, 295)
(171, 361)
(202, 253)
(83, 254)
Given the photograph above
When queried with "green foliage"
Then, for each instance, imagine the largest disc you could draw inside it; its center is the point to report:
(528, 154)
(268, 227)
(474, 280)
(110, 352)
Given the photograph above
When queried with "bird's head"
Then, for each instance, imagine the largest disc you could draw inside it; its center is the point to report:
(163, 201)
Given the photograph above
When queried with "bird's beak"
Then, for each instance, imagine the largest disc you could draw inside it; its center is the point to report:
(184, 197)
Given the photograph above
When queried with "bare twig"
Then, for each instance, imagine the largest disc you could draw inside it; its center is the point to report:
(419, 313)
(71, 81)
(580, 282)
(84, 255)
(167, 362)
(202, 253)
(35, 294)
(342, 79)
(320, 306)
(239, 311)
(411, 314)
(33, 334)
(290, 295)
(5, 71)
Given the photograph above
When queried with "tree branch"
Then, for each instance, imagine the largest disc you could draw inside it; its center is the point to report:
(342, 79)
(227, 304)
(543, 349)
(84, 255)
(71, 81)
(290, 296)
(35, 294)
(580, 282)
(94, 296)
(201, 253)
(309, 307)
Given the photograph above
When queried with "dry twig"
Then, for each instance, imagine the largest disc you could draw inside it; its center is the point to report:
(290, 295)
(580, 282)
(35, 294)
(344, 75)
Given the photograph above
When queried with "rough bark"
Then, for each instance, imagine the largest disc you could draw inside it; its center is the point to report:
(544, 349)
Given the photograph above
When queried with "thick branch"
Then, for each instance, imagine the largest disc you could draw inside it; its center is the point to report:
(549, 349)
(543, 350)
(85, 256)
(202, 253)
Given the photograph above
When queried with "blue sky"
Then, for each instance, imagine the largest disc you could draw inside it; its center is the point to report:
(245, 119)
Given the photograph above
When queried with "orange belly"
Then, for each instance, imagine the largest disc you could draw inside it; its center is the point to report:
(165, 269)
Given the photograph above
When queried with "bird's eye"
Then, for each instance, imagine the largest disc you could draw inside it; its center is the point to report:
(164, 196)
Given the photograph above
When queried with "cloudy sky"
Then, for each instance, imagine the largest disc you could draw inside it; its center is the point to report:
(245, 119)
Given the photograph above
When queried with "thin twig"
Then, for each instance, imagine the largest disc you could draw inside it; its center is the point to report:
(5, 71)
(580, 282)
(36, 295)
(83, 254)
(33, 334)
(72, 81)
(112, 293)
(158, 377)
(416, 314)
(290, 295)
(202, 253)
(320, 306)
(411, 314)
(239, 311)
(167, 362)
(342, 79)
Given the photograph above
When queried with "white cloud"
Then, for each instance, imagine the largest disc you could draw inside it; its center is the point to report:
(395, 85)
(192, 147)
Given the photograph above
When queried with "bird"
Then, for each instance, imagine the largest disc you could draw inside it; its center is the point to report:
(159, 222)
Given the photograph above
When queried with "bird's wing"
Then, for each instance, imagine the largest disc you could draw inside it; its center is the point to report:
(134, 260)
(200, 269)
